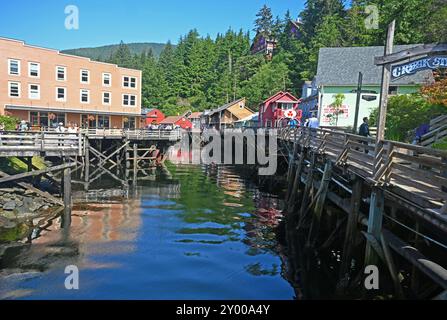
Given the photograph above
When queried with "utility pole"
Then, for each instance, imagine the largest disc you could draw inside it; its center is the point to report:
(357, 102)
(386, 75)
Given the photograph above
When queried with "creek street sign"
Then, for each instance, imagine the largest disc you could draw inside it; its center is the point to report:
(409, 68)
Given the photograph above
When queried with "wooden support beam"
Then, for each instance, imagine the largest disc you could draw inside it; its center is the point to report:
(87, 159)
(7, 178)
(391, 267)
(296, 183)
(351, 227)
(67, 198)
(308, 187)
(319, 205)
(431, 269)
(375, 219)
(28, 186)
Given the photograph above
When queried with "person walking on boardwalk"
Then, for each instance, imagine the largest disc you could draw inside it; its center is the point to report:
(364, 131)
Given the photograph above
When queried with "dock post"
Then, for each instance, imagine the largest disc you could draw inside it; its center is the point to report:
(67, 198)
(351, 228)
(319, 204)
(308, 187)
(375, 218)
(135, 160)
(296, 183)
(87, 159)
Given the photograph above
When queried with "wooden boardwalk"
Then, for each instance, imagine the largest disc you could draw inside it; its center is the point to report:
(46, 144)
(393, 195)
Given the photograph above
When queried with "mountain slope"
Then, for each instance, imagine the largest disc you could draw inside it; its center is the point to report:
(104, 52)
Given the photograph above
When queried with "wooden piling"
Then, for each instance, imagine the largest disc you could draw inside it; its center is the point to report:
(87, 159)
(375, 218)
(308, 187)
(296, 184)
(320, 201)
(67, 197)
(135, 161)
(351, 227)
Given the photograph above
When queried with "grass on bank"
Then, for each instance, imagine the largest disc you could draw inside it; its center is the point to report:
(14, 165)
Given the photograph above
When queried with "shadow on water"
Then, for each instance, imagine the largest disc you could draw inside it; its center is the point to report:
(187, 232)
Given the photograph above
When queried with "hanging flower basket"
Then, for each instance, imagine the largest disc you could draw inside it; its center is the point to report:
(91, 118)
(51, 116)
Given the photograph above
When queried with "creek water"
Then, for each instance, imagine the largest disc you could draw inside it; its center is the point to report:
(189, 232)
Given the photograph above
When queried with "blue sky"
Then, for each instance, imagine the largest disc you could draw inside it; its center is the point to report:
(107, 22)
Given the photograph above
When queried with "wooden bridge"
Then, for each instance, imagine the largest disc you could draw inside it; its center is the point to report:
(391, 194)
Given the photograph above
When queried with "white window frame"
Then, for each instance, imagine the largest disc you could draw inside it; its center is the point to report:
(110, 98)
(65, 94)
(18, 88)
(88, 96)
(65, 73)
(128, 99)
(38, 91)
(130, 81)
(88, 76)
(19, 67)
(38, 69)
(110, 79)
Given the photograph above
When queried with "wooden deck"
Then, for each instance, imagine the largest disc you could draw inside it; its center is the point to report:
(138, 134)
(45, 143)
(416, 174)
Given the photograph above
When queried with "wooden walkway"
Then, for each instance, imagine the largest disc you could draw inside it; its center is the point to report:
(46, 144)
(392, 194)
(416, 173)
(138, 134)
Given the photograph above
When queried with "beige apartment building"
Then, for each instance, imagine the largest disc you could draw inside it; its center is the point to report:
(46, 87)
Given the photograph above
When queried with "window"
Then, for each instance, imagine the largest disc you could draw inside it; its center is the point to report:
(34, 118)
(129, 122)
(55, 118)
(88, 121)
(106, 79)
(106, 98)
(14, 89)
(14, 67)
(34, 69)
(85, 96)
(61, 94)
(286, 106)
(129, 82)
(85, 76)
(34, 91)
(43, 119)
(61, 73)
(392, 90)
(104, 122)
(129, 100)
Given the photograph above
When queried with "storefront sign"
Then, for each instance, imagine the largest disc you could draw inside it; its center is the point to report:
(412, 67)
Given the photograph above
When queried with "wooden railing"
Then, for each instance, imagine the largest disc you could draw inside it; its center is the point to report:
(414, 170)
(438, 131)
(29, 143)
(137, 134)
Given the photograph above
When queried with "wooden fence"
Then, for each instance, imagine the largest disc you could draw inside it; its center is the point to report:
(438, 131)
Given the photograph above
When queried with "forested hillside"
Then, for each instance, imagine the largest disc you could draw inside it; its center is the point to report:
(104, 52)
(201, 72)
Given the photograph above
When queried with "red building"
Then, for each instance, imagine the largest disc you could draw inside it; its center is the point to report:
(153, 116)
(273, 112)
(174, 121)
